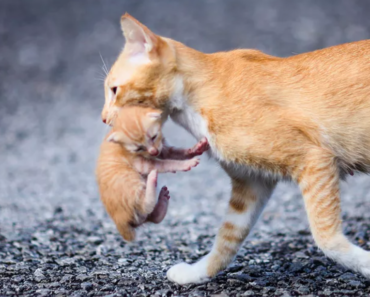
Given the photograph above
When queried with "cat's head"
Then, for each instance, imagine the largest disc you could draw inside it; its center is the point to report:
(139, 130)
(143, 74)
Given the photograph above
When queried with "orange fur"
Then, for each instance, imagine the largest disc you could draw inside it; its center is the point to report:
(127, 167)
(122, 187)
(305, 117)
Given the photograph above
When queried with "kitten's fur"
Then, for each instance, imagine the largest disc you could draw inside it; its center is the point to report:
(127, 168)
(305, 118)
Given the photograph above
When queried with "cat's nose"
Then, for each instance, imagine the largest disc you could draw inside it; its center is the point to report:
(104, 121)
(153, 152)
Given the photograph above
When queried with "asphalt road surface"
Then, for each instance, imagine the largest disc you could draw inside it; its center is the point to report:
(55, 237)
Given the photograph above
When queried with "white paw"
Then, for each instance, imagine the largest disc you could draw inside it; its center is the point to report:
(184, 273)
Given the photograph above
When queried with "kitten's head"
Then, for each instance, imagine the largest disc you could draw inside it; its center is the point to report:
(143, 73)
(139, 130)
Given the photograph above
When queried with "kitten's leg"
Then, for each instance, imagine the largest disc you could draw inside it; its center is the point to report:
(155, 208)
(246, 203)
(150, 201)
(160, 210)
(169, 152)
(163, 166)
(319, 183)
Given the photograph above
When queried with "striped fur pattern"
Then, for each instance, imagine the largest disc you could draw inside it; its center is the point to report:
(130, 157)
(303, 118)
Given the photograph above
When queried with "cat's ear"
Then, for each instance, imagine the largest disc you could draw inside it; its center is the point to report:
(156, 115)
(116, 137)
(139, 39)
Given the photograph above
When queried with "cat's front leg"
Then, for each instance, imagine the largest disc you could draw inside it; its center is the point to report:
(246, 203)
(169, 152)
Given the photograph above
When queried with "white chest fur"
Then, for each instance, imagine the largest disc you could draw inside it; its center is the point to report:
(192, 121)
(184, 115)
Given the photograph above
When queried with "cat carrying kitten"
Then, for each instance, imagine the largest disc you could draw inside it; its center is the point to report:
(128, 165)
(304, 118)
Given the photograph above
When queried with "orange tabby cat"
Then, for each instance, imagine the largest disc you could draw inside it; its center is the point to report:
(128, 165)
(305, 118)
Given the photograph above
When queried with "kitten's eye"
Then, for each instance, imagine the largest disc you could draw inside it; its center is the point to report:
(154, 137)
(114, 90)
(140, 149)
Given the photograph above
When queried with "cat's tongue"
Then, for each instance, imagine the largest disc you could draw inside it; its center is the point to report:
(159, 211)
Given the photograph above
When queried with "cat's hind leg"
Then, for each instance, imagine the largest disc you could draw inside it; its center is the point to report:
(318, 179)
(246, 203)
(155, 209)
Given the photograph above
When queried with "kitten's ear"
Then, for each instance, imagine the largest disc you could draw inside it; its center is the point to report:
(154, 115)
(116, 137)
(139, 39)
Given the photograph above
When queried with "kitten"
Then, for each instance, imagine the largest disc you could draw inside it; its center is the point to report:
(305, 118)
(128, 165)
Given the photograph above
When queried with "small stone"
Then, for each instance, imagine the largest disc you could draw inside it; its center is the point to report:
(43, 292)
(295, 267)
(87, 286)
(124, 262)
(249, 293)
(244, 278)
(17, 279)
(39, 276)
(347, 276)
(95, 240)
(107, 288)
(53, 285)
(235, 268)
(303, 290)
(356, 284)
(66, 261)
(66, 279)
(82, 277)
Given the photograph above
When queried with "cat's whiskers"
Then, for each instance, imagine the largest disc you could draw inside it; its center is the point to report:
(104, 67)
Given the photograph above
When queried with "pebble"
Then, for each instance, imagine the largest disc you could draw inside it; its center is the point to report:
(95, 240)
(39, 276)
(87, 286)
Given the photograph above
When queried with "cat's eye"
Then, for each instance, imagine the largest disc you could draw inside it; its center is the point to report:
(114, 90)
(140, 149)
(154, 137)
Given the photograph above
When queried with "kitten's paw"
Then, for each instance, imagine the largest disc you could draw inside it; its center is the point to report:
(201, 147)
(184, 273)
(160, 210)
(188, 164)
(153, 177)
(164, 193)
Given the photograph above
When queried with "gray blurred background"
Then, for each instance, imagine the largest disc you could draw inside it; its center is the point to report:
(51, 95)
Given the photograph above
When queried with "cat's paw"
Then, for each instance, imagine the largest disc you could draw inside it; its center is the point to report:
(188, 164)
(198, 149)
(184, 273)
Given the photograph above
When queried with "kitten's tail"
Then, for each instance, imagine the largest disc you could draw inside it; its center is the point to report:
(128, 232)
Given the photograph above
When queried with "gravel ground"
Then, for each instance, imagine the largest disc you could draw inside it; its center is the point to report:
(55, 237)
